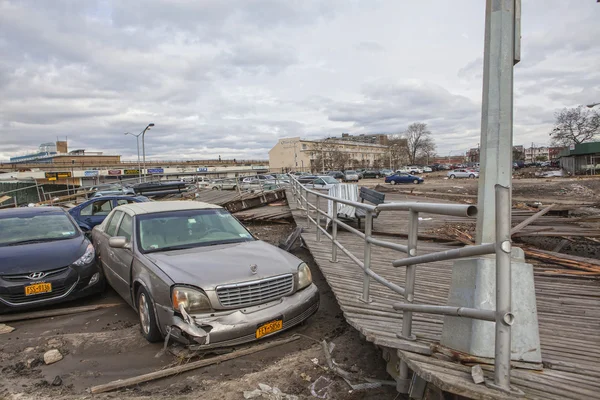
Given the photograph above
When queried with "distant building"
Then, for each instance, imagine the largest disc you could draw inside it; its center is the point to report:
(473, 155)
(58, 153)
(378, 138)
(333, 153)
(581, 159)
(542, 153)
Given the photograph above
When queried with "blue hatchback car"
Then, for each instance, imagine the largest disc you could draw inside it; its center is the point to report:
(92, 212)
(403, 178)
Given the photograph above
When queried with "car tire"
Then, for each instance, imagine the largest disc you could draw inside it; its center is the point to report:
(472, 176)
(215, 188)
(377, 177)
(416, 181)
(234, 187)
(452, 176)
(145, 308)
(394, 183)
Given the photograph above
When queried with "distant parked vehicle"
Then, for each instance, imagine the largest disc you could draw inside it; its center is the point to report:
(44, 259)
(322, 182)
(386, 172)
(427, 169)
(372, 173)
(462, 173)
(336, 174)
(92, 212)
(403, 177)
(224, 184)
(350, 176)
(114, 190)
(413, 169)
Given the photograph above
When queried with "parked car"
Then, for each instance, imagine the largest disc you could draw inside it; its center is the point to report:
(427, 169)
(350, 176)
(191, 269)
(307, 179)
(92, 212)
(386, 172)
(223, 184)
(413, 169)
(336, 174)
(403, 177)
(325, 182)
(372, 173)
(462, 173)
(115, 190)
(44, 259)
(258, 177)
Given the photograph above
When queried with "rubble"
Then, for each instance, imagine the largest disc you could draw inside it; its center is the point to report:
(52, 356)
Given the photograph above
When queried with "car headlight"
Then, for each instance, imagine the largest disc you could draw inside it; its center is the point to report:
(304, 276)
(87, 257)
(192, 300)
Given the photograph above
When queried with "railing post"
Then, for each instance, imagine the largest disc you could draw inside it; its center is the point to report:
(307, 209)
(411, 272)
(334, 231)
(318, 219)
(367, 258)
(504, 316)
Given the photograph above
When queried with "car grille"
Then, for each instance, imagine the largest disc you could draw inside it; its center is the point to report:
(58, 290)
(25, 277)
(255, 292)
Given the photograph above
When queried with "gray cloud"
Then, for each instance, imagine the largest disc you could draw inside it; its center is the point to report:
(230, 78)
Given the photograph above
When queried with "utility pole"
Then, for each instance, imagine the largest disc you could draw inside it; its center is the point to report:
(476, 281)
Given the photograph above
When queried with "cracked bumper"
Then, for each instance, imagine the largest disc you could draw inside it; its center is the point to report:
(239, 326)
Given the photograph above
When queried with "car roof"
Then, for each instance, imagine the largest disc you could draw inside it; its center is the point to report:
(165, 206)
(30, 211)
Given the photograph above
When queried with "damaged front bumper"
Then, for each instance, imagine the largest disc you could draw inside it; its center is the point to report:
(234, 327)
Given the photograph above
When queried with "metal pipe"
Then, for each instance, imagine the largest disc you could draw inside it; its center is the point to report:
(307, 211)
(398, 289)
(457, 210)
(334, 231)
(469, 251)
(318, 220)
(367, 256)
(349, 228)
(411, 272)
(503, 288)
(485, 315)
(388, 245)
(350, 255)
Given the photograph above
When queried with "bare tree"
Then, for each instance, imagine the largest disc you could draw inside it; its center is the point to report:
(398, 149)
(575, 126)
(419, 141)
(327, 156)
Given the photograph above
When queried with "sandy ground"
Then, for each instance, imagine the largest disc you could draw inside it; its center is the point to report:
(105, 345)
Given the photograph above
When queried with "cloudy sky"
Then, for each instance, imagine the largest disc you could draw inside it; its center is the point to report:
(230, 77)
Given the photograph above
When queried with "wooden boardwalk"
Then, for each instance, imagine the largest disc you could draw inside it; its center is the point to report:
(568, 312)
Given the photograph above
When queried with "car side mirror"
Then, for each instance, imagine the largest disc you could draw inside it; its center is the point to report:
(119, 242)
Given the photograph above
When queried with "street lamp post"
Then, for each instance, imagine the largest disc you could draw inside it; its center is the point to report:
(137, 139)
(144, 147)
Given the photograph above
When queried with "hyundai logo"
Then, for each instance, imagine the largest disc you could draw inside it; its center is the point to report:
(253, 268)
(36, 275)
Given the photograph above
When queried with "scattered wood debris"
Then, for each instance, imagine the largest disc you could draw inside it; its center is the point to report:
(53, 313)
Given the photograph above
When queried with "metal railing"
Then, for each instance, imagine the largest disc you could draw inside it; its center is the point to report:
(502, 316)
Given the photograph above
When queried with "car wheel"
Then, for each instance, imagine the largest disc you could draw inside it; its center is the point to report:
(394, 183)
(234, 187)
(472, 176)
(215, 188)
(376, 176)
(452, 176)
(148, 325)
(416, 181)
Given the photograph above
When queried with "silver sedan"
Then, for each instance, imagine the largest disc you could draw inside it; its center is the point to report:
(193, 272)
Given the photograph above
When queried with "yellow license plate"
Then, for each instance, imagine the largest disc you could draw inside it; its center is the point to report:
(269, 327)
(38, 288)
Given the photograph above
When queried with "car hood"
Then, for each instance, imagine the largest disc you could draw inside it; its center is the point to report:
(210, 266)
(36, 257)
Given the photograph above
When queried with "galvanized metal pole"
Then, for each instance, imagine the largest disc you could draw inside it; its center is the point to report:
(334, 231)
(504, 317)
(411, 274)
(307, 209)
(367, 256)
(501, 53)
(318, 219)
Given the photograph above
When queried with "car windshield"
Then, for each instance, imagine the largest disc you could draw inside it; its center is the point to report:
(329, 180)
(37, 228)
(189, 228)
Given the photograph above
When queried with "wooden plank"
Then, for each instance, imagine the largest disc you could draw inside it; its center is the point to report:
(531, 219)
(136, 380)
(54, 312)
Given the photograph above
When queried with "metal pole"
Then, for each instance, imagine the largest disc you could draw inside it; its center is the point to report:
(307, 209)
(144, 153)
(137, 139)
(504, 317)
(318, 218)
(367, 256)
(37, 189)
(411, 272)
(334, 231)
(501, 53)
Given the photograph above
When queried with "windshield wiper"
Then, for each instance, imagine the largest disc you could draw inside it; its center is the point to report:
(169, 248)
(40, 240)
